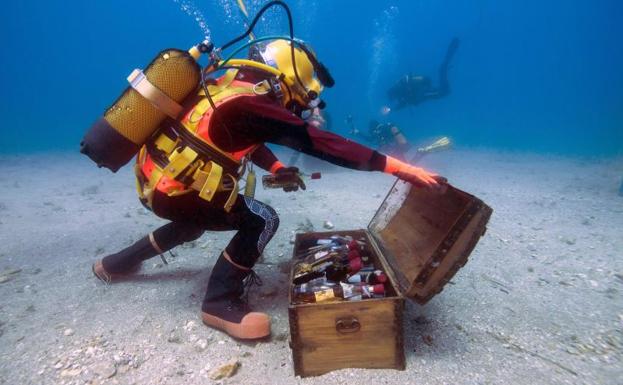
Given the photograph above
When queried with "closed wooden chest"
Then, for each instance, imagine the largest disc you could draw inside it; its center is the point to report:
(420, 239)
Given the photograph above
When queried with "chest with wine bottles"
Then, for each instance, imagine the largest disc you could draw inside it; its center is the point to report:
(347, 288)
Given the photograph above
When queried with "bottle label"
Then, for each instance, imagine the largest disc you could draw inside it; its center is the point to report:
(320, 254)
(324, 295)
(347, 290)
(367, 291)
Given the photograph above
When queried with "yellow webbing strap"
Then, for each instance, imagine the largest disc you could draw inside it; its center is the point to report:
(146, 187)
(165, 144)
(140, 178)
(208, 183)
(140, 181)
(218, 92)
(150, 187)
(204, 104)
(225, 81)
(179, 161)
(234, 193)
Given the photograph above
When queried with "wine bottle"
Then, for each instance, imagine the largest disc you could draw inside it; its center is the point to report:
(339, 271)
(308, 294)
(373, 277)
(335, 269)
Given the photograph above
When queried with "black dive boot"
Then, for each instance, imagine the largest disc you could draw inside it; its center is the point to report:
(157, 243)
(125, 261)
(224, 309)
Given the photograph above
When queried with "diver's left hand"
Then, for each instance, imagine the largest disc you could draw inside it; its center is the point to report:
(415, 175)
(291, 177)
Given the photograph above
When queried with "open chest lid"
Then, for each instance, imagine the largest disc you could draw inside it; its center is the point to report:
(426, 237)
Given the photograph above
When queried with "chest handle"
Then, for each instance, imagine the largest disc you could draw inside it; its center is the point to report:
(347, 325)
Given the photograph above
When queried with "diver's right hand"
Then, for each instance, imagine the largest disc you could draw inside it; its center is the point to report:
(291, 179)
(415, 175)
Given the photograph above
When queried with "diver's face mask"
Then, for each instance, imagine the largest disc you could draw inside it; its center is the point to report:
(307, 76)
(307, 112)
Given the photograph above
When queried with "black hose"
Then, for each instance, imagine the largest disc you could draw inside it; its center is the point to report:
(257, 18)
(290, 28)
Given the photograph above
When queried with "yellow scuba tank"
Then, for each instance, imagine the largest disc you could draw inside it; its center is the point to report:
(153, 95)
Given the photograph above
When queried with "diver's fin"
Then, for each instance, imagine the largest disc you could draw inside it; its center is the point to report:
(443, 143)
(439, 145)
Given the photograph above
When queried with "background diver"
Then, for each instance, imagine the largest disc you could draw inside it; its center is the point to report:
(224, 125)
(389, 139)
(385, 137)
(412, 90)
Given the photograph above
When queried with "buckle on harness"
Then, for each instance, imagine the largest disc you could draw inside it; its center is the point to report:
(275, 86)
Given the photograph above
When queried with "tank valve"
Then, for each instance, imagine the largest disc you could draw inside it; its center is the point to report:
(205, 47)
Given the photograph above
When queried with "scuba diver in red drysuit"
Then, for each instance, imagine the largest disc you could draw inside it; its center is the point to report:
(249, 113)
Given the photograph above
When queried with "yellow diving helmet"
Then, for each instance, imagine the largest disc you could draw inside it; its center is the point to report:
(306, 74)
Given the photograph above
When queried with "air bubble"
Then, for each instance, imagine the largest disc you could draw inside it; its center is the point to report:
(189, 7)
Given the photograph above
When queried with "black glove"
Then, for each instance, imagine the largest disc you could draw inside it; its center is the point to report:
(290, 178)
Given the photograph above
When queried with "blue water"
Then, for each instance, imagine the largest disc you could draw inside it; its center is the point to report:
(529, 75)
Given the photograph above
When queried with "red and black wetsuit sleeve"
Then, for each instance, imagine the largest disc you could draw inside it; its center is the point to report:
(265, 159)
(250, 120)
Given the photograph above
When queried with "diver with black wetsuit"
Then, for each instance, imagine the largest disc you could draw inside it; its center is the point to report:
(385, 137)
(412, 90)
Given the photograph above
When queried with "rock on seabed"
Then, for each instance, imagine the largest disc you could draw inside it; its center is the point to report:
(225, 371)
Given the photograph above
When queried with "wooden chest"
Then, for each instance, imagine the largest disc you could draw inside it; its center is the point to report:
(420, 239)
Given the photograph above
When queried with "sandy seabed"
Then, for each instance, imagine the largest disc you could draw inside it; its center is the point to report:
(539, 302)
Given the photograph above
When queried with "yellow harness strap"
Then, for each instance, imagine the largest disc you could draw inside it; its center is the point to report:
(207, 182)
(165, 144)
(224, 82)
(234, 193)
(146, 187)
(180, 161)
